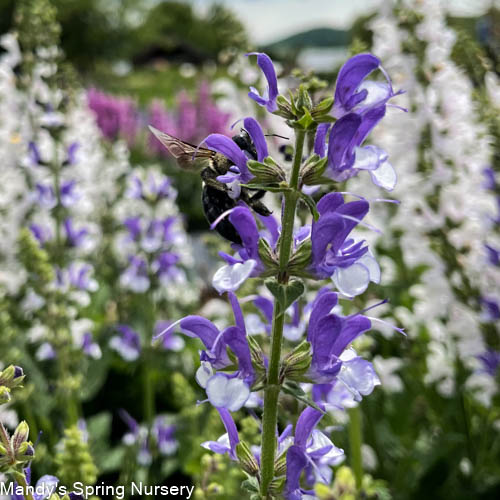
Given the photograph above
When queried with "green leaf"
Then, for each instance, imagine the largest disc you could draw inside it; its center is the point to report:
(287, 294)
(293, 389)
(111, 460)
(99, 426)
(311, 204)
(251, 484)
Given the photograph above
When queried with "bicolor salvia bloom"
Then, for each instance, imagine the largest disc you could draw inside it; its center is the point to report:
(320, 368)
(161, 437)
(443, 149)
(153, 233)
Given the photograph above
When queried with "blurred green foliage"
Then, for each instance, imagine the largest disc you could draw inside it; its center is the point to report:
(96, 33)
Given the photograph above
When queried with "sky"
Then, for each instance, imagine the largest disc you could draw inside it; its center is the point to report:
(271, 20)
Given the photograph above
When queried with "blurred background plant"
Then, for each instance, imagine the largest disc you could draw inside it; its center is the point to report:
(101, 236)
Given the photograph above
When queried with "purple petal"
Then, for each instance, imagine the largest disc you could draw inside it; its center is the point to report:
(254, 129)
(129, 420)
(493, 255)
(296, 461)
(226, 146)
(321, 308)
(34, 153)
(238, 314)
(368, 122)
(235, 338)
(324, 358)
(46, 484)
(244, 222)
(200, 327)
(329, 203)
(350, 76)
(342, 142)
(307, 421)
(266, 307)
(320, 139)
(323, 231)
(231, 430)
(266, 65)
(272, 226)
(352, 328)
(355, 209)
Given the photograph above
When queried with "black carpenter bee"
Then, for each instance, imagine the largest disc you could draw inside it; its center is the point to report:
(215, 196)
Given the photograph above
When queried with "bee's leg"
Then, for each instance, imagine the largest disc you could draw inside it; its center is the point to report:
(209, 178)
(258, 195)
(259, 207)
(253, 201)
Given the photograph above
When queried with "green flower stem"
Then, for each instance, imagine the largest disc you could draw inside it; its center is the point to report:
(270, 418)
(21, 480)
(355, 442)
(148, 388)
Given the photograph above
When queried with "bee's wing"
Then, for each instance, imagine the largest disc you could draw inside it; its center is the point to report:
(187, 155)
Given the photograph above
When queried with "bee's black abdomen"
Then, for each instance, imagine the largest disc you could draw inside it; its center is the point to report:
(215, 203)
(245, 143)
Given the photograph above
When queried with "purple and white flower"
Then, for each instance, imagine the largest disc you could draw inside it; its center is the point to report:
(127, 344)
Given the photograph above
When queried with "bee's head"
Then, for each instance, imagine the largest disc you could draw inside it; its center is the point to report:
(245, 143)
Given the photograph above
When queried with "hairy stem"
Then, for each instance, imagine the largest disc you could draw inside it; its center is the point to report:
(272, 391)
(355, 442)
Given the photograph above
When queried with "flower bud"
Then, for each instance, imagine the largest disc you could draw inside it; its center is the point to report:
(297, 363)
(267, 254)
(304, 99)
(26, 452)
(301, 259)
(285, 108)
(8, 374)
(10, 378)
(312, 171)
(4, 394)
(276, 486)
(280, 465)
(246, 458)
(266, 172)
(19, 437)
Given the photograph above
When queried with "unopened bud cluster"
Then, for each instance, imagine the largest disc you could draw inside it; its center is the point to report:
(17, 449)
(10, 378)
